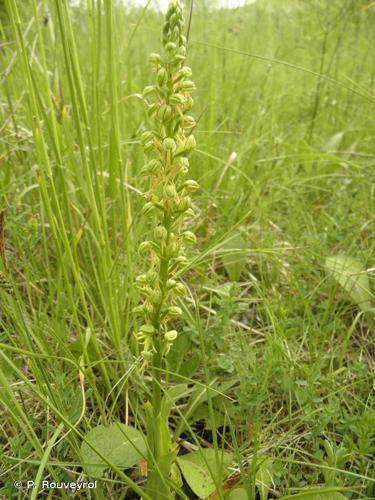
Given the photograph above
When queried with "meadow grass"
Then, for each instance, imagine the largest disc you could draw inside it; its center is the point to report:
(278, 359)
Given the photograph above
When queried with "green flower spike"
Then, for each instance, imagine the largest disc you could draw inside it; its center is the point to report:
(167, 201)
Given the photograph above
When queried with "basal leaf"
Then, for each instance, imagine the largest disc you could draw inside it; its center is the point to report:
(264, 478)
(321, 494)
(351, 275)
(120, 444)
(235, 257)
(196, 466)
(237, 494)
(172, 395)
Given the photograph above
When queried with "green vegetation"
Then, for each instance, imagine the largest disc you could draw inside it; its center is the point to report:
(267, 389)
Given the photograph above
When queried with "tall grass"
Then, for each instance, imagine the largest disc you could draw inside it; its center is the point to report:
(286, 86)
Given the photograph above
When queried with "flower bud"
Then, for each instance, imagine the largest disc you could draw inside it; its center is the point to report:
(147, 137)
(186, 87)
(149, 90)
(179, 76)
(151, 277)
(160, 233)
(171, 47)
(182, 164)
(142, 279)
(152, 167)
(156, 297)
(180, 289)
(171, 335)
(152, 109)
(181, 260)
(169, 144)
(183, 161)
(139, 309)
(170, 191)
(189, 122)
(162, 76)
(176, 32)
(174, 311)
(155, 58)
(148, 208)
(189, 101)
(165, 113)
(147, 329)
(190, 143)
(189, 237)
(186, 71)
(171, 283)
(189, 213)
(145, 170)
(144, 247)
(190, 185)
(184, 203)
(145, 290)
(177, 60)
(148, 147)
(147, 355)
(176, 99)
(172, 249)
(154, 199)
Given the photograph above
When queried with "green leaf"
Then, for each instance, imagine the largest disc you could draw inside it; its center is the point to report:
(177, 392)
(172, 395)
(237, 494)
(120, 444)
(176, 475)
(235, 261)
(199, 466)
(321, 494)
(195, 411)
(351, 275)
(263, 478)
